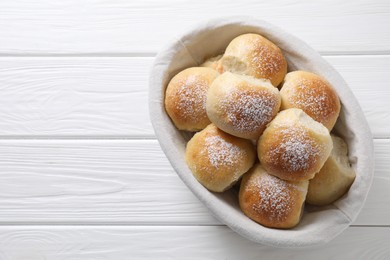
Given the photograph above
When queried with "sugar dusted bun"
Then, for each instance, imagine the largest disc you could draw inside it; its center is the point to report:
(252, 54)
(294, 147)
(217, 159)
(185, 98)
(213, 62)
(312, 94)
(271, 201)
(242, 105)
(334, 178)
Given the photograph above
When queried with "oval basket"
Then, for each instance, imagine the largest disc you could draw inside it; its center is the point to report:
(318, 225)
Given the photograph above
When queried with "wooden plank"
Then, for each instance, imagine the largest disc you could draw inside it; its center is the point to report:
(74, 97)
(366, 77)
(107, 97)
(119, 26)
(381, 184)
(177, 242)
(122, 182)
(105, 181)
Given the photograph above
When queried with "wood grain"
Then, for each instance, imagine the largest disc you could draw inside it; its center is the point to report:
(122, 182)
(130, 27)
(107, 181)
(74, 97)
(124, 242)
(107, 97)
(74, 184)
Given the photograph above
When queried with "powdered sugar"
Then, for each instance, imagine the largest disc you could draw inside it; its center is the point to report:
(275, 196)
(249, 110)
(192, 97)
(222, 153)
(297, 152)
(314, 98)
(265, 59)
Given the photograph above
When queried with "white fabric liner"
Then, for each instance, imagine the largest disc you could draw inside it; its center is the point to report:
(318, 225)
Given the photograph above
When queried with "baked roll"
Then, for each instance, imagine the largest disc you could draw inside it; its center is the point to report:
(252, 54)
(312, 94)
(271, 201)
(334, 178)
(242, 105)
(217, 159)
(214, 63)
(294, 147)
(185, 98)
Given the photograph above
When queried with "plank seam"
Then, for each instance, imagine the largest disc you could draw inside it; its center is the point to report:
(97, 138)
(45, 224)
(153, 54)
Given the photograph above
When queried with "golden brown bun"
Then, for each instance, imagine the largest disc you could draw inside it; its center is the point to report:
(214, 63)
(242, 105)
(312, 94)
(334, 178)
(185, 98)
(294, 147)
(271, 201)
(218, 159)
(252, 54)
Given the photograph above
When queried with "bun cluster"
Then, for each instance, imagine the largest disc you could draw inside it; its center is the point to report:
(261, 125)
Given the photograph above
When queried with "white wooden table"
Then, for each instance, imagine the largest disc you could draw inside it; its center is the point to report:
(81, 173)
